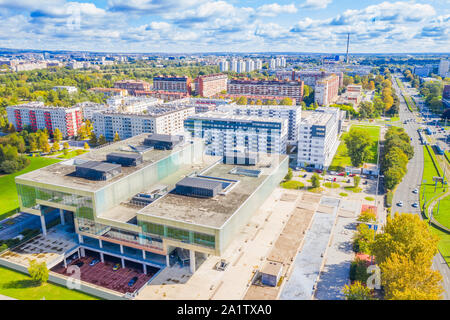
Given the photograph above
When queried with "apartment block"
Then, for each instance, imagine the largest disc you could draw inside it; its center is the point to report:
(132, 85)
(309, 77)
(160, 119)
(291, 89)
(39, 116)
(209, 85)
(327, 90)
(172, 84)
(319, 137)
(109, 92)
(291, 113)
(226, 133)
(133, 104)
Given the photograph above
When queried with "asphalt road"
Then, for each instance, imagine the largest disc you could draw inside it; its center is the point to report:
(412, 180)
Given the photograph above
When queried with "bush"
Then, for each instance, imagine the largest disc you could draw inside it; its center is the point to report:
(389, 198)
(358, 271)
(38, 271)
(367, 216)
(363, 239)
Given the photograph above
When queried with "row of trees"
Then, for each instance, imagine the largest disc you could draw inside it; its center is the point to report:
(430, 90)
(397, 152)
(358, 143)
(404, 253)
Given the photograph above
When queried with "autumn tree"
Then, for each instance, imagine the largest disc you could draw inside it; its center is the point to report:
(116, 137)
(357, 291)
(406, 279)
(57, 135)
(101, 140)
(86, 146)
(55, 146)
(407, 235)
(363, 239)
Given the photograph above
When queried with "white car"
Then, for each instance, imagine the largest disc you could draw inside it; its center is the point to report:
(415, 205)
(416, 190)
(400, 203)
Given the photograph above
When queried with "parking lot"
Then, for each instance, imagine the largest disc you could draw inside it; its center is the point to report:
(102, 274)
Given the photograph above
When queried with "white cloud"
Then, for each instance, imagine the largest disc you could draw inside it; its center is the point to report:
(316, 4)
(274, 9)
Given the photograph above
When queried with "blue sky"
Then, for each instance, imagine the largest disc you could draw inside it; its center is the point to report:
(226, 25)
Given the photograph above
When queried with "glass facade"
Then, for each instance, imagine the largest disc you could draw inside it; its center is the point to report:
(28, 196)
(182, 235)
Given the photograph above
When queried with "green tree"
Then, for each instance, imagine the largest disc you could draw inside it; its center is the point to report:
(356, 181)
(101, 140)
(358, 142)
(93, 139)
(357, 291)
(315, 180)
(55, 147)
(38, 271)
(289, 175)
(363, 239)
(242, 101)
(65, 145)
(286, 102)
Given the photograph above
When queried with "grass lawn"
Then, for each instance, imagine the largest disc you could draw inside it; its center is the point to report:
(332, 185)
(315, 190)
(341, 158)
(292, 185)
(353, 189)
(343, 194)
(443, 217)
(429, 171)
(20, 286)
(8, 191)
(71, 154)
(369, 199)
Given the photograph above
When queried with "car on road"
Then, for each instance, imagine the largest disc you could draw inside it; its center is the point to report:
(348, 180)
(415, 190)
(415, 205)
(318, 171)
(305, 175)
(133, 281)
(341, 174)
(400, 203)
(94, 262)
(365, 182)
(116, 267)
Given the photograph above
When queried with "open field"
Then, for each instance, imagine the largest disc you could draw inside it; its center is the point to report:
(20, 286)
(8, 192)
(341, 159)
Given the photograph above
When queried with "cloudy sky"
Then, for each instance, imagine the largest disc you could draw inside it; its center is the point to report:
(226, 25)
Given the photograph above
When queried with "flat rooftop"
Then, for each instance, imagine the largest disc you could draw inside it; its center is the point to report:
(62, 173)
(317, 119)
(214, 212)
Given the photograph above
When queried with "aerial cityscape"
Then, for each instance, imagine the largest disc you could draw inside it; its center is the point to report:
(224, 150)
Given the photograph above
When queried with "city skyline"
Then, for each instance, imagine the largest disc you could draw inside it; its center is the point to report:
(319, 26)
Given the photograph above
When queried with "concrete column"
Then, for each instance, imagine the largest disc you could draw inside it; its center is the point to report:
(100, 243)
(44, 228)
(123, 262)
(80, 238)
(83, 253)
(102, 258)
(121, 249)
(143, 254)
(145, 268)
(168, 260)
(61, 214)
(192, 261)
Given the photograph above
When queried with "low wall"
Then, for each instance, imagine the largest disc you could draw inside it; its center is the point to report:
(62, 281)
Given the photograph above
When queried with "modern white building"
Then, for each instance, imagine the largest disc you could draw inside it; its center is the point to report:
(133, 104)
(224, 65)
(161, 119)
(249, 65)
(38, 116)
(88, 108)
(319, 137)
(234, 65)
(258, 64)
(273, 64)
(225, 133)
(240, 66)
(444, 67)
(291, 113)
